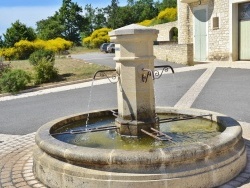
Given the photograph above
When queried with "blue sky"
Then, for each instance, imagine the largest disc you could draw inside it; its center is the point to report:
(31, 11)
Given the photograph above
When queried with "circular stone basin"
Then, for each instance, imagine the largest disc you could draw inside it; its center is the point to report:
(181, 132)
(207, 163)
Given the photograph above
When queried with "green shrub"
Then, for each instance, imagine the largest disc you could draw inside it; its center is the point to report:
(45, 71)
(36, 56)
(14, 80)
(4, 67)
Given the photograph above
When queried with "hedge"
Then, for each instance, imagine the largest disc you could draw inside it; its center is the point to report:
(24, 48)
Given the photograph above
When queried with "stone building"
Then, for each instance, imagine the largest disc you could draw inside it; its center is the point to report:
(218, 29)
(208, 30)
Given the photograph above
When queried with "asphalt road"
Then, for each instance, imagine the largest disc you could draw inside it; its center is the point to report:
(26, 115)
(226, 92)
(107, 59)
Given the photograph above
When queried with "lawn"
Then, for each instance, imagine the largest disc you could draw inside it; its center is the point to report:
(69, 69)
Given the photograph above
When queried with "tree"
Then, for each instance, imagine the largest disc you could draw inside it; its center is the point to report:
(90, 16)
(126, 16)
(100, 20)
(95, 18)
(70, 17)
(1, 42)
(168, 4)
(49, 28)
(113, 14)
(146, 8)
(18, 31)
(130, 3)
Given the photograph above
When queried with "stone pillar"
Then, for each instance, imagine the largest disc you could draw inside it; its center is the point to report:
(136, 99)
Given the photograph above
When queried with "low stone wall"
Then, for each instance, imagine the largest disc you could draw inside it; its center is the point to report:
(174, 52)
(164, 30)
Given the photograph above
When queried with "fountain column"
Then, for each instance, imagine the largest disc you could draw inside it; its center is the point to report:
(136, 99)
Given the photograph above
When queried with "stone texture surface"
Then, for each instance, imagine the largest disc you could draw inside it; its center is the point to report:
(173, 52)
(16, 152)
(136, 101)
(164, 30)
(218, 38)
(16, 162)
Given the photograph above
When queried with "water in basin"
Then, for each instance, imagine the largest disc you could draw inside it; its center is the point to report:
(182, 132)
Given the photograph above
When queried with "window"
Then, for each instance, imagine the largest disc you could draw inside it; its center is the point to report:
(216, 22)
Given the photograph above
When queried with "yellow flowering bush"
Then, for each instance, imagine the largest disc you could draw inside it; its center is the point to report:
(8, 53)
(169, 14)
(86, 41)
(40, 44)
(146, 23)
(58, 45)
(98, 37)
(24, 48)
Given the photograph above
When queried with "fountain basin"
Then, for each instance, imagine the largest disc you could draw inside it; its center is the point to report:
(199, 164)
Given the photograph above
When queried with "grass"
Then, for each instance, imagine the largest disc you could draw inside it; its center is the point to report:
(82, 50)
(69, 69)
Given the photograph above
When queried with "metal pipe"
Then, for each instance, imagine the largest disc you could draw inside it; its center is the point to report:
(165, 66)
(155, 74)
(181, 119)
(98, 129)
(103, 71)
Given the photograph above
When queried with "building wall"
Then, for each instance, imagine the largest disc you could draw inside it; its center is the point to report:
(218, 39)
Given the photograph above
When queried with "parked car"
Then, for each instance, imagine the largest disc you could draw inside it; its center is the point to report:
(111, 48)
(103, 47)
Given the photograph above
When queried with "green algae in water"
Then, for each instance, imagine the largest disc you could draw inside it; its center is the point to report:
(182, 132)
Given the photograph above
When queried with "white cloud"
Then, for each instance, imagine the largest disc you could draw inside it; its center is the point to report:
(27, 15)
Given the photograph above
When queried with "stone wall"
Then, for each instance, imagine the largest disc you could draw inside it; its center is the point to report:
(219, 39)
(164, 30)
(174, 52)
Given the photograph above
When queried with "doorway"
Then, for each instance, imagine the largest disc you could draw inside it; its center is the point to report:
(244, 28)
(200, 35)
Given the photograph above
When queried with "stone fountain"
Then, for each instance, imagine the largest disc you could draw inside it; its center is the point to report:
(208, 163)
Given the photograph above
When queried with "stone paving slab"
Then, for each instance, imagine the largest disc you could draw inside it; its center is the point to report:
(16, 163)
(6, 137)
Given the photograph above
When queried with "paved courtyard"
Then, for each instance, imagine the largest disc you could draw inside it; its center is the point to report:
(16, 150)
